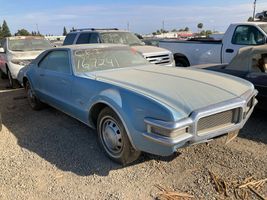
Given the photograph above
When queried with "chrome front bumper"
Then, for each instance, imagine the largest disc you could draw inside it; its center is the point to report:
(191, 122)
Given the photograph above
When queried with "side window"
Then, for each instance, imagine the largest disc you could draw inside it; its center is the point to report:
(57, 60)
(69, 39)
(94, 38)
(84, 38)
(247, 35)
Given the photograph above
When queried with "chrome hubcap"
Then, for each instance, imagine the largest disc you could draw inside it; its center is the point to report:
(111, 135)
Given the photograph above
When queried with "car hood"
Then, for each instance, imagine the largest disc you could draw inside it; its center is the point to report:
(184, 90)
(147, 50)
(24, 55)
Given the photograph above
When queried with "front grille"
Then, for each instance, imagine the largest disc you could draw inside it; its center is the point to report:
(159, 59)
(218, 121)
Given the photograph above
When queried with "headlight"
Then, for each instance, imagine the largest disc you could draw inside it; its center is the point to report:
(172, 60)
(21, 62)
(166, 132)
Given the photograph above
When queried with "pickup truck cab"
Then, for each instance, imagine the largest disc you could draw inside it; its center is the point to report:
(154, 55)
(17, 52)
(197, 52)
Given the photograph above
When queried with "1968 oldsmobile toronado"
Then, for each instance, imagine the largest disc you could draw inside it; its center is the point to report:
(136, 106)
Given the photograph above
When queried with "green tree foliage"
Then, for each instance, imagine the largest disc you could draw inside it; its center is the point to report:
(250, 19)
(65, 31)
(23, 32)
(5, 32)
(186, 29)
(200, 25)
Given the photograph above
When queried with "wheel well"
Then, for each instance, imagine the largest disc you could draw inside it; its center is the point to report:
(95, 111)
(179, 55)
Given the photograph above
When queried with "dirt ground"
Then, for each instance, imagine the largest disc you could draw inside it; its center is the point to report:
(49, 155)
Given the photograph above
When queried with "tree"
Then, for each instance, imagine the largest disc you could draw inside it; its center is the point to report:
(65, 31)
(5, 32)
(250, 19)
(208, 32)
(200, 25)
(174, 30)
(22, 32)
(186, 29)
(203, 33)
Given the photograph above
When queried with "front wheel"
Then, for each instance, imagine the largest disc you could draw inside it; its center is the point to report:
(13, 83)
(34, 102)
(113, 138)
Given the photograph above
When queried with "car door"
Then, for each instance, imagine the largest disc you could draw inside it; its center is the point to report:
(56, 79)
(243, 35)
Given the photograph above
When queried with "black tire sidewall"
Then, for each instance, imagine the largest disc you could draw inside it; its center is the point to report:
(37, 103)
(128, 154)
(183, 62)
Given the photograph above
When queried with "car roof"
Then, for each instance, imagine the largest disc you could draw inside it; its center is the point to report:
(97, 30)
(250, 23)
(92, 46)
(25, 37)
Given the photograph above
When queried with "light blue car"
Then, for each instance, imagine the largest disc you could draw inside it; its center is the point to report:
(136, 106)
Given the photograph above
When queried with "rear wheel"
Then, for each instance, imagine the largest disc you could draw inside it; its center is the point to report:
(13, 83)
(34, 102)
(181, 62)
(113, 138)
(3, 75)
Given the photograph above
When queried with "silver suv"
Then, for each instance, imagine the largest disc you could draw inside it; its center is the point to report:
(153, 54)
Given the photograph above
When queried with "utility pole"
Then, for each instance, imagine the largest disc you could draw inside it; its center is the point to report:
(254, 9)
(128, 26)
(37, 28)
(163, 27)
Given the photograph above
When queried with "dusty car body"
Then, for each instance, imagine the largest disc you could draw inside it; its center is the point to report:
(17, 52)
(149, 108)
(251, 64)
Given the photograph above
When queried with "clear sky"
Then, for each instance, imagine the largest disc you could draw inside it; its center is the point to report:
(143, 16)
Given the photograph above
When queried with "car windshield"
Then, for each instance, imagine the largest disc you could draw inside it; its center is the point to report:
(89, 60)
(120, 38)
(29, 44)
(263, 27)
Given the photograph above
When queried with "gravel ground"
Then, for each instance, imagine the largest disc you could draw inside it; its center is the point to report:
(49, 155)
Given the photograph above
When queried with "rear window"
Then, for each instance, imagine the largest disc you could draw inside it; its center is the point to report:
(69, 39)
(88, 38)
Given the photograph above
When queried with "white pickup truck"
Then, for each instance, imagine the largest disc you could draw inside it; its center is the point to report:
(238, 35)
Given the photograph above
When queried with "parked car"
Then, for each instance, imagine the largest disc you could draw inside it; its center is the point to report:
(238, 35)
(134, 105)
(251, 64)
(153, 54)
(18, 51)
(262, 16)
(151, 41)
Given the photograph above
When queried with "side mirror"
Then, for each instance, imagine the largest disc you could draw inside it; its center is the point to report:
(2, 50)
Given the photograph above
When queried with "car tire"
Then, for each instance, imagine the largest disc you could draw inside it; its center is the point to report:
(181, 62)
(34, 102)
(13, 83)
(3, 75)
(113, 138)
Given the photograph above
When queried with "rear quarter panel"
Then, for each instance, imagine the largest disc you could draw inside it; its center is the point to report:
(196, 52)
